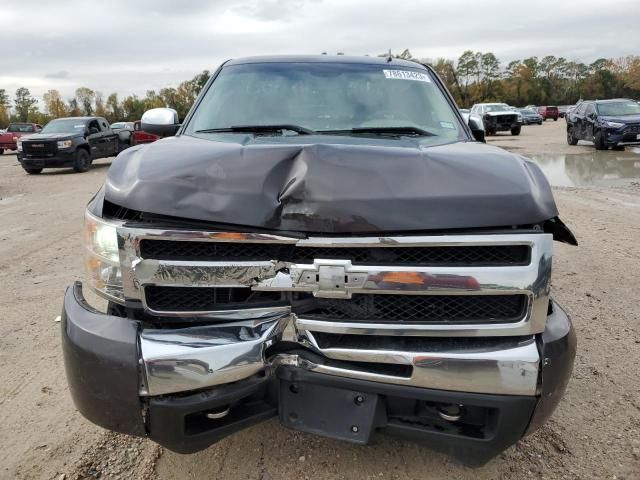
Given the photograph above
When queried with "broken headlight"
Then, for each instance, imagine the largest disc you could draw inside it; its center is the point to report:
(102, 260)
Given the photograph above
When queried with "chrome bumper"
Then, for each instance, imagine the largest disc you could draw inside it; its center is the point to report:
(185, 359)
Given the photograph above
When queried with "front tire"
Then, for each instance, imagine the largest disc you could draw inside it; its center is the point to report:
(571, 140)
(32, 171)
(83, 161)
(555, 119)
(1, 151)
(598, 141)
(516, 130)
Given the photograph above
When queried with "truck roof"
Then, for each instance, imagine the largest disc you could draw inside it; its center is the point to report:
(325, 59)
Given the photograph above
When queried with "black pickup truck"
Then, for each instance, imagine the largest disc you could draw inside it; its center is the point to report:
(68, 142)
(344, 198)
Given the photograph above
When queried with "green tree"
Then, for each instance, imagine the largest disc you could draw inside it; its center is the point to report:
(23, 104)
(113, 108)
(54, 104)
(85, 98)
(4, 108)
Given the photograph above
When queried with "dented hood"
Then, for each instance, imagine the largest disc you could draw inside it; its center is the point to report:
(330, 184)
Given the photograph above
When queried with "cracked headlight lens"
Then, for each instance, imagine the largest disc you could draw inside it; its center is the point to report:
(102, 261)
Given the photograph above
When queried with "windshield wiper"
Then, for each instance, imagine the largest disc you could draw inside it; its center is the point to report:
(399, 131)
(260, 129)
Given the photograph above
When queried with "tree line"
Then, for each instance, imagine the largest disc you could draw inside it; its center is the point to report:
(481, 77)
(474, 77)
(88, 102)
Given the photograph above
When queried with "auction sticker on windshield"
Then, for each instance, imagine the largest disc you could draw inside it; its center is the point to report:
(406, 75)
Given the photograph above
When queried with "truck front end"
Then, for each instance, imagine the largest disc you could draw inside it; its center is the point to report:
(325, 305)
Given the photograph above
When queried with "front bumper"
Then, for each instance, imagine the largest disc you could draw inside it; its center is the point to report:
(60, 160)
(619, 137)
(188, 388)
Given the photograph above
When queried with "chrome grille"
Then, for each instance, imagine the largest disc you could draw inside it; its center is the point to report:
(239, 251)
(190, 299)
(447, 285)
(419, 308)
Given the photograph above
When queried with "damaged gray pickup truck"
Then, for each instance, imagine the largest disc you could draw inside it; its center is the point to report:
(322, 240)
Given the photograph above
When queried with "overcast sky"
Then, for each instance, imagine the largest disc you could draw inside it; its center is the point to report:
(133, 46)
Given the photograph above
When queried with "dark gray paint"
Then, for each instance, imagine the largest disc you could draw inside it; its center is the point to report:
(331, 184)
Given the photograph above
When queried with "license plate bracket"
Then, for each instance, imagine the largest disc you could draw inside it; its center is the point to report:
(327, 411)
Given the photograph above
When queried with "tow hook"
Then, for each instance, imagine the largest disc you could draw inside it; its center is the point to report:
(450, 413)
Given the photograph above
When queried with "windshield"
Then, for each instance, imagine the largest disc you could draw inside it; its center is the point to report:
(64, 126)
(326, 97)
(19, 127)
(119, 125)
(526, 111)
(501, 107)
(619, 109)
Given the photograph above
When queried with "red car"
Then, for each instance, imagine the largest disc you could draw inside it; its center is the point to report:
(549, 112)
(140, 136)
(14, 132)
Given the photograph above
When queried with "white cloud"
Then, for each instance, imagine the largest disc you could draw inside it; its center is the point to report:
(130, 47)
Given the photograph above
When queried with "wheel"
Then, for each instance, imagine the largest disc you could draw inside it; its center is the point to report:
(555, 119)
(32, 171)
(516, 130)
(1, 151)
(83, 161)
(598, 141)
(540, 122)
(571, 140)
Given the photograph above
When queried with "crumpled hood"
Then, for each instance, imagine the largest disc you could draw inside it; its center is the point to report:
(326, 184)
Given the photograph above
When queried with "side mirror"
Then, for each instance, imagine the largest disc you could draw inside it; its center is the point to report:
(93, 131)
(160, 121)
(477, 128)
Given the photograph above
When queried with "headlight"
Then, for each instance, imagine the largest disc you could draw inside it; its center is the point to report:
(102, 260)
(65, 143)
(19, 144)
(614, 124)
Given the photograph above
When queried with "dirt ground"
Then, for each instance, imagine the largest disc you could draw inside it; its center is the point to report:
(595, 433)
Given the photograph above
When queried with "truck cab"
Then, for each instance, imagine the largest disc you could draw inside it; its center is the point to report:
(321, 240)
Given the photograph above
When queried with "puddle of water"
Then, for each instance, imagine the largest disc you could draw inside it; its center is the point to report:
(600, 168)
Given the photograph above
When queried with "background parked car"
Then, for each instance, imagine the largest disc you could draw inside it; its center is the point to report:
(548, 112)
(498, 117)
(607, 123)
(9, 138)
(68, 142)
(530, 117)
(139, 136)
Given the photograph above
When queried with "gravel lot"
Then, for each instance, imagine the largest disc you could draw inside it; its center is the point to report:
(595, 433)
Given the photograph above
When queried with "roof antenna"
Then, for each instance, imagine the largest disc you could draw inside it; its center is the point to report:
(389, 56)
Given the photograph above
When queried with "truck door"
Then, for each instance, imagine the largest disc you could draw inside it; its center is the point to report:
(95, 139)
(109, 139)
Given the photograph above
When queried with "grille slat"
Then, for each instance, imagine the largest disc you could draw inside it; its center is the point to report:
(417, 309)
(193, 299)
(473, 255)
